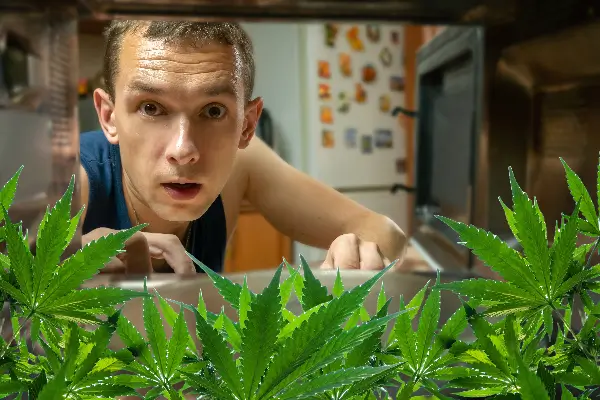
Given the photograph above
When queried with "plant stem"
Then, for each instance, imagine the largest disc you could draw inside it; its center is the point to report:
(594, 247)
(14, 335)
(554, 309)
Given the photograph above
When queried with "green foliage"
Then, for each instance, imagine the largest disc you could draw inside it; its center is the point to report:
(520, 337)
(45, 298)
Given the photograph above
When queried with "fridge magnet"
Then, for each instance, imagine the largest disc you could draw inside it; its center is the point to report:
(324, 91)
(355, 43)
(326, 115)
(366, 144)
(327, 139)
(345, 64)
(401, 166)
(350, 138)
(360, 93)
(396, 83)
(373, 33)
(343, 102)
(385, 103)
(324, 70)
(383, 139)
(331, 31)
(385, 56)
(395, 36)
(369, 74)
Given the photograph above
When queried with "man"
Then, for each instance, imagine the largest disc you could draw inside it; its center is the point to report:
(177, 151)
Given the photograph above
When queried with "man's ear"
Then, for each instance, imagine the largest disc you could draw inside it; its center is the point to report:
(251, 116)
(106, 115)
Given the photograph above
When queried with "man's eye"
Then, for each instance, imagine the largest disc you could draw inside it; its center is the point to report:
(214, 111)
(150, 109)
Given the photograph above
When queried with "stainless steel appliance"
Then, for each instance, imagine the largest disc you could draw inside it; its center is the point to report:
(538, 100)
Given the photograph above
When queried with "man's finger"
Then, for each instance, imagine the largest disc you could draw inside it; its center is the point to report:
(138, 260)
(346, 254)
(370, 256)
(169, 248)
(179, 261)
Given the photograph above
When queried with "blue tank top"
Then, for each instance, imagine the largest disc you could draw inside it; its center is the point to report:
(106, 207)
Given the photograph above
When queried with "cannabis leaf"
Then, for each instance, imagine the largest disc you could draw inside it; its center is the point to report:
(259, 335)
(229, 290)
(539, 281)
(581, 195)
(313, 292)
(157, 360)
(7, 193)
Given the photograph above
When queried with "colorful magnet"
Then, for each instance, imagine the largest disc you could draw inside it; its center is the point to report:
(395, 36)
(366, 144)
(360, 93)
(331, 31)
(324, 91)
(383, 138)
(396, 83)
(401, 165)
(327, 139)
(350, 138)
(373, 33)
(385, 103)
(343, 102)
(345, 64)
(385, 56)
(326, 115)
(369, 73)
(324, 70)
(355, 43)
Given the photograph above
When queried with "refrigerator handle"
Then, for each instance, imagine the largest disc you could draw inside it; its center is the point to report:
(398, 186)
(404, 111)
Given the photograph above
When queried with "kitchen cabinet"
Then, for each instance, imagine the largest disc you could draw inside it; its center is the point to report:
(256, 244)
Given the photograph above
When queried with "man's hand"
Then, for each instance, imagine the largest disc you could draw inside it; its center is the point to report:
(350, 252)
(142, 249)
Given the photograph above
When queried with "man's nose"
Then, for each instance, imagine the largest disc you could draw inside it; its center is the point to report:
(182, 148)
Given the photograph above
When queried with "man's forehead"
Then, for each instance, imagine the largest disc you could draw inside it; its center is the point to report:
(156, 66)
(135, 44)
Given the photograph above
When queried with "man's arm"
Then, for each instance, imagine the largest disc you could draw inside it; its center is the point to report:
(309, 211)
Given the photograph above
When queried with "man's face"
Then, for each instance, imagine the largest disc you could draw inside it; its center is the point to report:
(179, 118)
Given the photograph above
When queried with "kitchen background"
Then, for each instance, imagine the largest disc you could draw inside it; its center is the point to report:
(332, 94)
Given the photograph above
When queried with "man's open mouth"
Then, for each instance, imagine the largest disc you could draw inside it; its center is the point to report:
(182, 191)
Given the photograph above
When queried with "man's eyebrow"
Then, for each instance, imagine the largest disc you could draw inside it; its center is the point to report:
(212, 90)
(219, 88)
(140, 86)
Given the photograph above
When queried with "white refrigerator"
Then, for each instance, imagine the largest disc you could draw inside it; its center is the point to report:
(353, 80)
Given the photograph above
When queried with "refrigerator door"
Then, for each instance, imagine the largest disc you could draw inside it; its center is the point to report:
(354, 79)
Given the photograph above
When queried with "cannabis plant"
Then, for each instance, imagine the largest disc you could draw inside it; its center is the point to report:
(528, 343)
(531, 339)
(45, 301)
(267, 352)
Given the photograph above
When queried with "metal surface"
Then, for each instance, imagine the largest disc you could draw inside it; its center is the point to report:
(434, 61)
(543, 103)
(186, 289)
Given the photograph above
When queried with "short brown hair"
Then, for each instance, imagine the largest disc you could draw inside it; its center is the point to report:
(226, 33)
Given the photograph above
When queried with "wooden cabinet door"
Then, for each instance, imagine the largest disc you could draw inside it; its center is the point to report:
(256, 244)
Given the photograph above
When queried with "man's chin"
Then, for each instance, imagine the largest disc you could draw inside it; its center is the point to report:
(178, 213)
